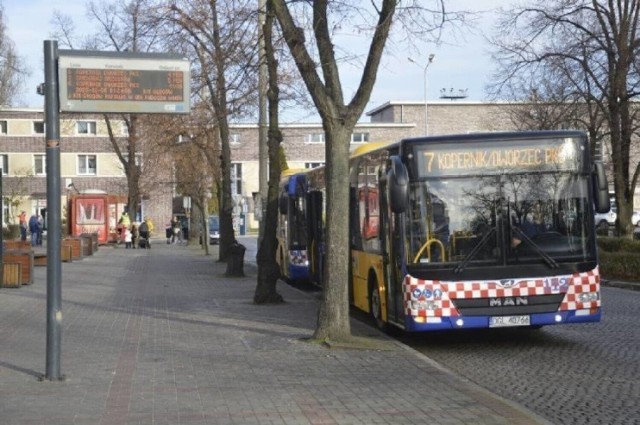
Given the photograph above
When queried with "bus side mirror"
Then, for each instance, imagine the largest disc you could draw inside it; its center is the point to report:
(397, 185)
(600, 188)
(283, 203)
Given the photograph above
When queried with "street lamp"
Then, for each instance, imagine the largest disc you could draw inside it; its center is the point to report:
(429, 60)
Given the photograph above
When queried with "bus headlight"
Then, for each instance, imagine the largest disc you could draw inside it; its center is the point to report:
(424, 305)
(587, 297)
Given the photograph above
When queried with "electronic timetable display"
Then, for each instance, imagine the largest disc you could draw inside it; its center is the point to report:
(123, 83)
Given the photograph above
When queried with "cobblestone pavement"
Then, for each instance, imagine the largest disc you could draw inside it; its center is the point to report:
(160, 336)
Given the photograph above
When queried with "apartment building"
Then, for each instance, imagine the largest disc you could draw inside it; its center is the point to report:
(87, 163)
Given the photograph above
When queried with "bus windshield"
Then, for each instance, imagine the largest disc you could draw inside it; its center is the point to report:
(502, 219)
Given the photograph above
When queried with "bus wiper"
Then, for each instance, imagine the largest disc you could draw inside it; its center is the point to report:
(550, 261)
(474, 251)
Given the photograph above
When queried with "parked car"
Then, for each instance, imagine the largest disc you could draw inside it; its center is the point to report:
(214, 229)
(604, 220)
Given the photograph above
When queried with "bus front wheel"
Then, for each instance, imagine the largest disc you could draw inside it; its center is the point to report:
(375, 305)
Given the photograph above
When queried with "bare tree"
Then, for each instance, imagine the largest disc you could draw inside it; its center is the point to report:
(12, 70)
(322, 78)
(268, 270)
(222, 44)
(591, 48)
(121, 26)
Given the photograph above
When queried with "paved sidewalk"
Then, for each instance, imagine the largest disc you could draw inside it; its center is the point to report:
(160, 336)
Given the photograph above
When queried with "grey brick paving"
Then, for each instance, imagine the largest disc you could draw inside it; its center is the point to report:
(160, 336)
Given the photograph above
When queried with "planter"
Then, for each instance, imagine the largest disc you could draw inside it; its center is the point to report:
(11, 275)
(94, 240)
(26, 261)
(87, 245)
(76, 247)
(16, 244)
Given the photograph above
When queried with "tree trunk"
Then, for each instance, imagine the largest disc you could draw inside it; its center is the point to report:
(268, 270)
(333, 316)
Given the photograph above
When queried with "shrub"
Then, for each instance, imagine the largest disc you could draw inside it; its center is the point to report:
(620, 265)
(609, 244)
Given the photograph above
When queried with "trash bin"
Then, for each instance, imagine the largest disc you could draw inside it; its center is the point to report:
(235, 260)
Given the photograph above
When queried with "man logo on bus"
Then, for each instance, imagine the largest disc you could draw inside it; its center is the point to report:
(507, 283)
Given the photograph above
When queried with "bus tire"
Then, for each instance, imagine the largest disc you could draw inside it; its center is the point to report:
(375, 303)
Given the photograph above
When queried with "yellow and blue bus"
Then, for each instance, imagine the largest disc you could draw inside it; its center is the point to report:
(467, 231)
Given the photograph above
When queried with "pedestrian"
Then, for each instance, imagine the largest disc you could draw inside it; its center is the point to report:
(40, 229)
(168, 230)
(34, 229)
(149, 222)
(127, 237)
(123, 223)
(145, 233)
(175, 230)
(23, 225)
(134, 235)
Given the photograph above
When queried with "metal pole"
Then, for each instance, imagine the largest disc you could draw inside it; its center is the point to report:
(54, 272)
(426, 123)
(263, 150)
(426, 67)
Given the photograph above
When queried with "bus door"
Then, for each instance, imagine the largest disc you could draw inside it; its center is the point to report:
(315, 236)
(392, 246)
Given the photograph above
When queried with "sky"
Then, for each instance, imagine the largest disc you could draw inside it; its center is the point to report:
(461, 62)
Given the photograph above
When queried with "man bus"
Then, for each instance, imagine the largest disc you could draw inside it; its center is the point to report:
(470, 231)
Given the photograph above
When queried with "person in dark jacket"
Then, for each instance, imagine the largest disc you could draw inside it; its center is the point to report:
(34, 228)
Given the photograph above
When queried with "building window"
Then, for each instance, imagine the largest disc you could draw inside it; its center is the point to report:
(315, 138)
(360, 138)
(87, 165)
(40, 164)
(234, 138)
(4, 163)
(86, 127)
(3, 127)
(38, 127)
(138, 159)
(313, 164)
(236, 179)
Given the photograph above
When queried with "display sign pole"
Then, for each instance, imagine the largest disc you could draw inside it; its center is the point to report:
(54, 266)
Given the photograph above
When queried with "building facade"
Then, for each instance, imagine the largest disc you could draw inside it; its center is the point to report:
(89, 163)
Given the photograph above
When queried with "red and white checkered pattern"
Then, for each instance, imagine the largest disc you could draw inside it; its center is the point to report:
(298, 257)
(570, 285)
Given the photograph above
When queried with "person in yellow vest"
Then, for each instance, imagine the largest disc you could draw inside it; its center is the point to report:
(124, 223)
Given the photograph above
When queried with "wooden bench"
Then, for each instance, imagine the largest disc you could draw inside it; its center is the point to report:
(40, 258)
(11, 275)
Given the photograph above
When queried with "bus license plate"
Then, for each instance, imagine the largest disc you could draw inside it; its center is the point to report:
(504, 321)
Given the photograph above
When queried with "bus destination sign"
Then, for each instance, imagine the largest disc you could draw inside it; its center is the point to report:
(486, 159)
(124, 84)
